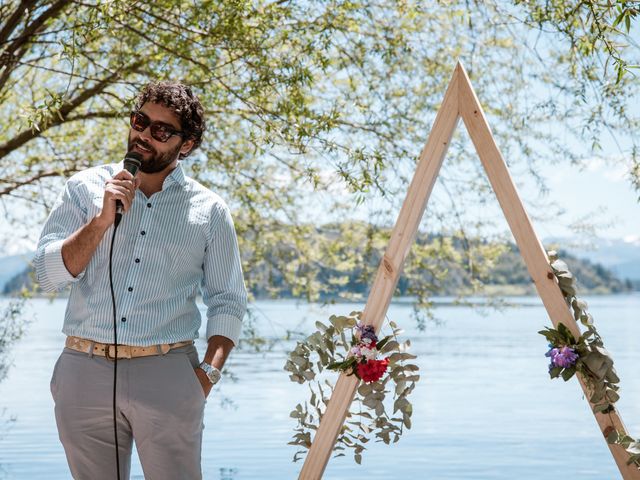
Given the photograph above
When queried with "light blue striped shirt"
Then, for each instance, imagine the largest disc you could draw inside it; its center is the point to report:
(167, 248)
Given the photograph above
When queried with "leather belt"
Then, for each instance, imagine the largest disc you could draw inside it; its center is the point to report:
(124, 351)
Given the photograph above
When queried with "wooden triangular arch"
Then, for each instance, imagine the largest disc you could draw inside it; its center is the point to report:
(459, 101)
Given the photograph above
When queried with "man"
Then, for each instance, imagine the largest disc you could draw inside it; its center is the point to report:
(175, 238)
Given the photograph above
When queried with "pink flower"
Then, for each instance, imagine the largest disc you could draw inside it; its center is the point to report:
(368, 342)
(368, 353)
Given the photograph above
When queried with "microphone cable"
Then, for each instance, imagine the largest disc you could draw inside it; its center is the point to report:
(131, 164)
(115, 343)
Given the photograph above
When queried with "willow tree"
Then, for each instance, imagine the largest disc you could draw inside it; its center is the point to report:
(316, 110)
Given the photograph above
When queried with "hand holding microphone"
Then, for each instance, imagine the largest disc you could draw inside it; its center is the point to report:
(120, 190)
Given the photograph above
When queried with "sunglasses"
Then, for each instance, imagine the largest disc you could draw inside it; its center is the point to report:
(159, 131)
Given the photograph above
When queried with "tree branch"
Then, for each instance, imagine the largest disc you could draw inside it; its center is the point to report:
(8, 59)
(33, 27)
(14, 185)
(67, 107)
(14, 19)
(88, 115)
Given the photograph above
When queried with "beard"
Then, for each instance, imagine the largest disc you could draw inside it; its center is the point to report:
(152, 161)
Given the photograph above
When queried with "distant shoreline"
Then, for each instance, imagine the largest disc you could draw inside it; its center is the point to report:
(445, 299)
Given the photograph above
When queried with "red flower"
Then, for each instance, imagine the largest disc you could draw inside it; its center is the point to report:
(372, 370)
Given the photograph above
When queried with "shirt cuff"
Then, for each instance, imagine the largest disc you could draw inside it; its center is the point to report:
(56, 272)
(225, 325)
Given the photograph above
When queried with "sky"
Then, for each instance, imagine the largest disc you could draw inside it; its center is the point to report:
(601, 192)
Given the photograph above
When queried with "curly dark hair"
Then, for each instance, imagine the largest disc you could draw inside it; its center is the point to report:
(184, 103)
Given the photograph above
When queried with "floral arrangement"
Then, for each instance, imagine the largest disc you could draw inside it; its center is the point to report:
(372, 414)
(585, 355)
(363, 353)
(564, 357)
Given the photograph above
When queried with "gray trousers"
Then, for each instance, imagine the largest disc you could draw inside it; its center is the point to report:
(159, 404)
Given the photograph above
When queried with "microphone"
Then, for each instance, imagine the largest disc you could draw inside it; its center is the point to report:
(131, 165)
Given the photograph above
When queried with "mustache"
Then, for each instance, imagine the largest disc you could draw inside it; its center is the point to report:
(142, 144)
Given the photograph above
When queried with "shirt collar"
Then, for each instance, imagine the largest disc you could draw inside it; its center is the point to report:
(176, 176)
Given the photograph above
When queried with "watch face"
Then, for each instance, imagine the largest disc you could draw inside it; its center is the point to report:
(212, 373)
(214, 376)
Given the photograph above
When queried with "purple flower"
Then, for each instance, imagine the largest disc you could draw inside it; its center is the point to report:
(366, 331)
(564, 357)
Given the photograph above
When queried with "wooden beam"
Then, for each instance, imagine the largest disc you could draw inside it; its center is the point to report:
(387, 276)
(530, 246)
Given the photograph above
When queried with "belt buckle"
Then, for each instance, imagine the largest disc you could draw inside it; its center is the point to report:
(108, 349)
(106, 352)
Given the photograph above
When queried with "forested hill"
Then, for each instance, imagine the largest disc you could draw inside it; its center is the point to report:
(591, 277)
(505, 275)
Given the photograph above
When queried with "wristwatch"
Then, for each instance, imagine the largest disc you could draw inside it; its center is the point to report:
(213, 374)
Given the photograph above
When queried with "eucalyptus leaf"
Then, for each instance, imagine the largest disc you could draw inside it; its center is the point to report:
(567, 373)
(407, 421)
(634, 448)
(612, 396)
(390, 345)
(597, 396)
(612, 376)
(560, 266)
(399, 404)
(364, 389)
(300, 361)
(321, 326)
(399, 356)
(613, 437)
(555, 372)
(380, 345)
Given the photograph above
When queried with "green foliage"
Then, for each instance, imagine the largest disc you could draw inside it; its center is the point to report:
(12, 327)
(312, 106)
(369, 416)
(594, 363)
(593, 28)
(631, 445)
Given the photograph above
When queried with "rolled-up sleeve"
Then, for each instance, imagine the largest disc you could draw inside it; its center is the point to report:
(223, 288)
(67, 215)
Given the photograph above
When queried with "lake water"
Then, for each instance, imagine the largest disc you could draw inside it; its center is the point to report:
(485, 407)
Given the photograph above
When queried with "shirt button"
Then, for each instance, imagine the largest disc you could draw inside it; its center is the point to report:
(148, 205)
(142, 232)
(137, 260)
(130, 289)
(123, 319)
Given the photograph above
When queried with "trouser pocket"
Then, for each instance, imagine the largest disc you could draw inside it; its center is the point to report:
(53, 384)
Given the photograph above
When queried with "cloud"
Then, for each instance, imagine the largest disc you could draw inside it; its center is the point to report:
(613, 169)
(632, 239)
